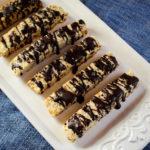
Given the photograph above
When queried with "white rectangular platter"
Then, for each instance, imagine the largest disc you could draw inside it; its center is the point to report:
(127, 128)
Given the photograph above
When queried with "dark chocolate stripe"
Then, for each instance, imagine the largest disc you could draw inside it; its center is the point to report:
(1, 22)
(100, 105)
(107, 63)
(90, 112)
(80, 89)
(4, 42)
(92, 75)
(75, 55)
(63, 97)
(131, 80)
(11, 41)
(78, 52)
(38, 83)
(33, 21)
(14, 66)
(58, 66)
(77, 123)
(48, 73)
(16, 37)
(56, 44)
(41, 24)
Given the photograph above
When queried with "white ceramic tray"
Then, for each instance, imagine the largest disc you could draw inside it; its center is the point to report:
(127, 128)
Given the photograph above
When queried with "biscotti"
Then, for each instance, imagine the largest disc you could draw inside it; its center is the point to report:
(74, 90)
(32, 27)
(48, 45)
(16, 10)
(100, 105)
(61, 66)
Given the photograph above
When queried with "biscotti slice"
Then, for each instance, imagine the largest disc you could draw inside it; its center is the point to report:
(100, 105)
(74, 90)
(32, 27)
(16, 10)
(47, 46)
(61, 66)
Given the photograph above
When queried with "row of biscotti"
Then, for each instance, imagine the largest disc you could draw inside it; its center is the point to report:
(74, 90)
(51, 44)
(27, 30)
(69, 61)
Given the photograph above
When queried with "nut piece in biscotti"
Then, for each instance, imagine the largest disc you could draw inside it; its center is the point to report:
(100, 105)
(32, 27)
(70, 60)
(48, 45)
(74, 90)
(16, 10)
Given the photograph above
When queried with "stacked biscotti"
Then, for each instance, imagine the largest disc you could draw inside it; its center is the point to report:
(39, 25)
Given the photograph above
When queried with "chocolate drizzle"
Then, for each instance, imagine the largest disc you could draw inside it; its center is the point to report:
(56, 44)
(131, 81)
(89, 110)
(48, 72)
(53, 70)
(16, 66)
(41, 46)
(100, 105)
(92, 75)
(63, 97)
(3, 41)
(82, 83)
(80, 89)
(79, 52)
(110, 97)
(71, 32)
(75, 55)
(24, 55)
(59, 67)
(113, 93)
(106, 64)
(16, 10)
(77, 124)
(38, 83)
